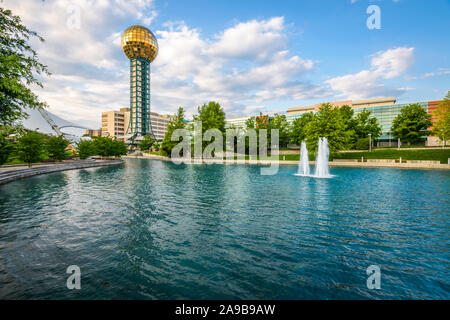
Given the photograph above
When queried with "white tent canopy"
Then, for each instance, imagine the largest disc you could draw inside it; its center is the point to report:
(35, 121)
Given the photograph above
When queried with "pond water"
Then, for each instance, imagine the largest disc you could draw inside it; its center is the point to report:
(155, 230)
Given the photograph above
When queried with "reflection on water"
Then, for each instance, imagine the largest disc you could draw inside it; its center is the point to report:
(157, 230)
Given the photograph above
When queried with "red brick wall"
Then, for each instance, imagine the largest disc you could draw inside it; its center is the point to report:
(432, 106)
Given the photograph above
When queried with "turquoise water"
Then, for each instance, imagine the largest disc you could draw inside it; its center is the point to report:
(155, 230)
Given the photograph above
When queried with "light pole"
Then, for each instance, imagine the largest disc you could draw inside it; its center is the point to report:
(370, 142)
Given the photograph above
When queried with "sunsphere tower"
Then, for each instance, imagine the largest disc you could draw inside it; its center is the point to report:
(141, 47)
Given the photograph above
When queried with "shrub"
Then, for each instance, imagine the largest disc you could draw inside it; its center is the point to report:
(107, 147)
(56, 147)
(31, 147)
(147, 143)
(6, 148)
(362, 144)
(85, 149)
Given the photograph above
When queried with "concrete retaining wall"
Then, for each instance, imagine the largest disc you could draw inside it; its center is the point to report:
(381, 160)
(424, 161)
(345, 160)
(25, 172)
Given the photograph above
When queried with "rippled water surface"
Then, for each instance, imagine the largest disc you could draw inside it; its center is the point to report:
(154, 230)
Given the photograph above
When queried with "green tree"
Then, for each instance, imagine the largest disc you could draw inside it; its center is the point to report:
(31, 147)
(119, 148)
(147, 143)
(365, 124)
(362, 144)
(442, 126)
(7, 145)
(412, 124)
(298, 133)
(258, 123)
(103, 146)
(56, 147)
(250, 123)
(176, 122)
(85, 149)
(6, 148)
(107, 147)
(19, 69)
(280, 122)
(211, 116)
(347, 115)
(328, 122)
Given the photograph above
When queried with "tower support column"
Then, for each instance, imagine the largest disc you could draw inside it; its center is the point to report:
(140, 118)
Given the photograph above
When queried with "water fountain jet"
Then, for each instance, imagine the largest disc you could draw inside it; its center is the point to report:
(303, 165)
(323, 154)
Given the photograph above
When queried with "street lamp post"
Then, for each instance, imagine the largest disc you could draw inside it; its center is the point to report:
(370, 142)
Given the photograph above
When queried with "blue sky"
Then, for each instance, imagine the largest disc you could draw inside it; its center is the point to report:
(251, 56)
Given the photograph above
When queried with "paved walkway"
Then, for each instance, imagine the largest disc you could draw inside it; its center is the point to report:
(12, 173)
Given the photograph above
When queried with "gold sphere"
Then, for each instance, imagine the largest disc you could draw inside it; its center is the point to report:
(139, 42)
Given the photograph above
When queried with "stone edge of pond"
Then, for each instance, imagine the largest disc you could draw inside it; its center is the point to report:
(332, 164)
(25, 172)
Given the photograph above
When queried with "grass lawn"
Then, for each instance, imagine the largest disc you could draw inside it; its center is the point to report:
(153, 153)
(433, 154)
(14, 159)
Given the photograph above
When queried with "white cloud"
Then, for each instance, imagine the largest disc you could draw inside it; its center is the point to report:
(440, 72)
(190, 69)
(392, 63)
(87, 66)
(246, 64)
(250, 40)
(385, 65)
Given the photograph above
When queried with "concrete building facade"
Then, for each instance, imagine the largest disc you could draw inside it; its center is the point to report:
(116, 123)
(384, 109)
(94, 133)
(159, 123)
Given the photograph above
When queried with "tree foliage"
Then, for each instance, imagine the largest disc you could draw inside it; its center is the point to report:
(176, 122)
(56, 147)
(362, 144)
(347, 114)
(280, 122)
(19, 69)
(328, 122)
(442, 113)
(6, 148)
(211, 116)
(85, 149)
(108, 147)
(30, 147)
(258, 123)
(412, 124)
(147, 143)
(298, 132)
(363, 125)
